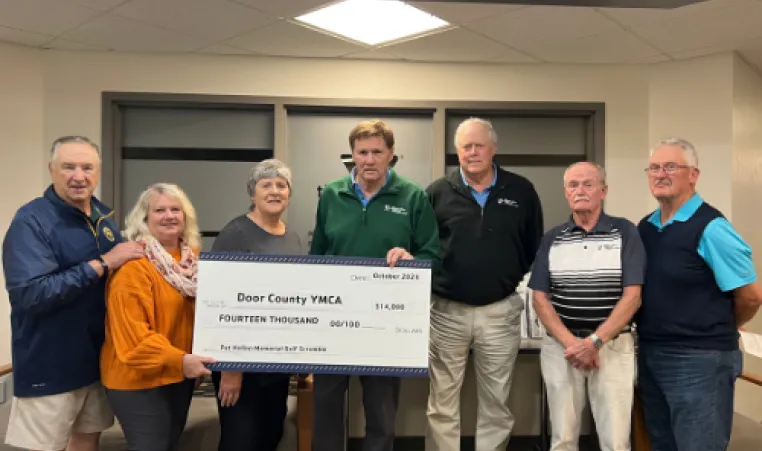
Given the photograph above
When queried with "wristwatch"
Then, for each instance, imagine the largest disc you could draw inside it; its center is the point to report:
(103, 265)
(597, 342)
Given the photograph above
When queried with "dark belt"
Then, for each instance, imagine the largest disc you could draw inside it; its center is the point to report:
(584, 333)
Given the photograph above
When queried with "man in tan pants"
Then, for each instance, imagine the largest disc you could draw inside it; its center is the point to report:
(57, 254)
(490, 225)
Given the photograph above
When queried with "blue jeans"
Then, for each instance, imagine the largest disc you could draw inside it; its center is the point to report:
(687, 396)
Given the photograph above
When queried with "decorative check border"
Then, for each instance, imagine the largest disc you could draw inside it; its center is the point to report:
(310, 259)
(299, 368)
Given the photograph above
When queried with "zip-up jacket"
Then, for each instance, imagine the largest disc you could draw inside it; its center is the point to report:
(399, 215)
(57, 298)
(485, 251)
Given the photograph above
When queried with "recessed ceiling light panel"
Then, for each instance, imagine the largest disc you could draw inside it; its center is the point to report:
(373, 22)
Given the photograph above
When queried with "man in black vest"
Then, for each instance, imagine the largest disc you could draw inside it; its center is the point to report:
(701, 286)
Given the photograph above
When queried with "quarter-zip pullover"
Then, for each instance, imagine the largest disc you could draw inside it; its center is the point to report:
(58, 308)
(486, 251)
(399, 215)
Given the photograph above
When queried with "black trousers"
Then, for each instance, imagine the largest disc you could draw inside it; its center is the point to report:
(380, 398)
(152, 419)
(255, 422)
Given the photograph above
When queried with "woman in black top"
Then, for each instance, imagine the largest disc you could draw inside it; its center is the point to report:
(252, 406)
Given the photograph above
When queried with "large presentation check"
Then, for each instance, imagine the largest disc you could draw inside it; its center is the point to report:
(313, 314)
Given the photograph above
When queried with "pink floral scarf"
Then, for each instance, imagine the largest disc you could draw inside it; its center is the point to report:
(181, 275)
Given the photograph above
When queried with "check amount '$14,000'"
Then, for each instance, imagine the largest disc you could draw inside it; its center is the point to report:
(313, 314)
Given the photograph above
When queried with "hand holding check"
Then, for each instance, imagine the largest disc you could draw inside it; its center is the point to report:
(396, 254)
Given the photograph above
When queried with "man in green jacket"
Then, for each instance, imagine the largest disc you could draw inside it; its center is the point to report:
(372, 212)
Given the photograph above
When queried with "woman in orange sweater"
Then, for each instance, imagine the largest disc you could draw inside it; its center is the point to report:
(146, 362)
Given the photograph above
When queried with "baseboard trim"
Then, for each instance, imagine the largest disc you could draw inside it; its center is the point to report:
(518, 443)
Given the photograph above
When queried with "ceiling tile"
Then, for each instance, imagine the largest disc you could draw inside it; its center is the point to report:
(286, 8)
(705, 28)
(703, 51)
(631, 17)
(118, 33)
(23, 37)
(372, 55)
(462, 13)
(752, 46)
(224, 49)
(210, 19)
(754, 58)
(513, 57)
(543, 24)
(608, 48)
(288, 39)
(65, 44)
(744, 46)
(650, 60)
(47, 17)
(101, 5)
(454, 45)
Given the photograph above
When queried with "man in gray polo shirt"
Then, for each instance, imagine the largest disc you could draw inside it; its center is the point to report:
(587, 280)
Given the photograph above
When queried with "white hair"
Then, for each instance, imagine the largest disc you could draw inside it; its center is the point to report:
(478, 121)
(72, 139)
(601, 170)
(689, 150)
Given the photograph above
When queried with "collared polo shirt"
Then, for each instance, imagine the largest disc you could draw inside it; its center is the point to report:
(480, 197)
(358, 189)
(584, 273)
(721, 247)
(695, 261)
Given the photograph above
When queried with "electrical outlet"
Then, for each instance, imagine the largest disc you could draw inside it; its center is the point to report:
(2, 391)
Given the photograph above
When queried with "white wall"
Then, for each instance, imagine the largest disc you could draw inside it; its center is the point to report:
(74, 82)
(21, 133)
(693, 99)
(747, 187)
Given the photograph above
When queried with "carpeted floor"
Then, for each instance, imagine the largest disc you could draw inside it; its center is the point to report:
(202, 432)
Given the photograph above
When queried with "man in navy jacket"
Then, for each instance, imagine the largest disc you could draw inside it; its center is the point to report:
(700, 287)
(57, 254)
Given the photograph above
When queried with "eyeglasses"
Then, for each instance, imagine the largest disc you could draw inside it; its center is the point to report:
(669, 168)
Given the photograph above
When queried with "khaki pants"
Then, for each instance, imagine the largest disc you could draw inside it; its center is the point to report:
(493, 333)
(610, 389)
(46, 422)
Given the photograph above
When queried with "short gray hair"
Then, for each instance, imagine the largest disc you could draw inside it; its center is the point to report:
(689, 150)
(268, 169)
(478, 121)
(72, 139)
(601, 170)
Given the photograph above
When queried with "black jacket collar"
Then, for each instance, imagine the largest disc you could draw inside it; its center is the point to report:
(456, 180)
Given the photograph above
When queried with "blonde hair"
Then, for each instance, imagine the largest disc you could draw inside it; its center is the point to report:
(137, 227)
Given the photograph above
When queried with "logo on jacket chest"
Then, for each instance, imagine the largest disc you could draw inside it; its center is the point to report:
(508, 202)
(396, 210)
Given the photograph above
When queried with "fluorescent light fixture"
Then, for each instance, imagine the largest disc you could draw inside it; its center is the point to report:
(373, 22)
